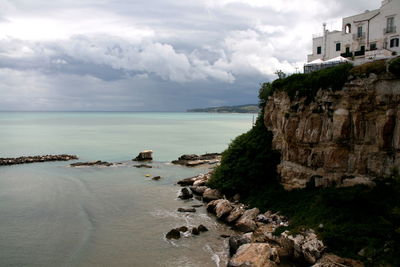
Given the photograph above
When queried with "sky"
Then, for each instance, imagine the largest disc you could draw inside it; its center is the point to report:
(154, 55)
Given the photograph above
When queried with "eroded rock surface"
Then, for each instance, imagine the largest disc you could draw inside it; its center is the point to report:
(353, 133)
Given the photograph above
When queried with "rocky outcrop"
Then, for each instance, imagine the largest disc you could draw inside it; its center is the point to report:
(144, 156)
(33, 159)
(341, 138)
(91, 164)
(253, 255)
(196, 160)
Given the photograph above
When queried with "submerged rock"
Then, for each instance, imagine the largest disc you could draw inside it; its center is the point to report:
(143, 166)
(186, 209)
(156, 178)
(91, 163)
(202, 228)
(195, 231)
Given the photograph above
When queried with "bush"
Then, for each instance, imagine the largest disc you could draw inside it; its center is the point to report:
(394, 67)
(248, 163)
(307, 85)
(364, 70)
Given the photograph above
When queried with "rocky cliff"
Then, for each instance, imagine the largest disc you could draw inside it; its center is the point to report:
(341, 138)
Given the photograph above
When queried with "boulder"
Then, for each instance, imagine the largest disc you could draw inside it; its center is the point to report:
(186, 210)
(198, 190)
(187, 181)
(235, 214)
(331, 260)
(185, 194)
(305, 245)
(202, 228)
(223, 208)
(211, 205)
(156, 178)
(182, 229)
(247, 223)
(173, 234)
(144, 155)
(211, 194)
(254, 255)
(195, 231)
(236, 241)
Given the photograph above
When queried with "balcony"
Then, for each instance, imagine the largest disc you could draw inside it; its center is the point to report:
(391, 29)
(347, 54)
(359, 35)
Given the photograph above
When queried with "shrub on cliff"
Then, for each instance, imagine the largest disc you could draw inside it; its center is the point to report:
(248, 163)
(377, 67)
(307, 85)
(394, 67)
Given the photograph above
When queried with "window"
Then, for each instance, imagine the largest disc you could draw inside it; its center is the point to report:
(337, 46)
(347, 28)
(347, 50)
(362, 48)
(359, 31)
(390, 25)
(318, 50)
(372, 46)
(394, 42)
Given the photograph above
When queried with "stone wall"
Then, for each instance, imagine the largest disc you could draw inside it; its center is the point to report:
(341, 138)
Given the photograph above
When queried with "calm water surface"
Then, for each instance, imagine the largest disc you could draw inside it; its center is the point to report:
(54, 215)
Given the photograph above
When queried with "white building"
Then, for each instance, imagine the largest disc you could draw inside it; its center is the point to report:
(371, 35)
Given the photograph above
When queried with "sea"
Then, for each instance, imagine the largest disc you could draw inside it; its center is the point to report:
(55, 215)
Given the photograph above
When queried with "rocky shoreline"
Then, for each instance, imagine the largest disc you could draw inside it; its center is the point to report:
(34, 159)
(192, 160)
(259, 241)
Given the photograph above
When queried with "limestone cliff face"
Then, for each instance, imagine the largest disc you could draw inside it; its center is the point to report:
(341, 138)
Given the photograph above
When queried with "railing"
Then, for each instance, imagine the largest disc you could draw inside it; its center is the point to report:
(359, 35)
(391, 29)
(347, 54)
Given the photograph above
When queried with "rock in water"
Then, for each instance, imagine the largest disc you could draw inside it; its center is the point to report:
(144, 155)
(236, 241)
(202, 228)
(185, 194)
(173, 234)
(195, 231)
(186, 209)
(156, 178)
(182, 229)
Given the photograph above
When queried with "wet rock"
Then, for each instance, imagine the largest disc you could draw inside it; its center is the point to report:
(33, 159)
(224, 236)
(143, 166)
(186, 210)
(187, 181)
(247, 223)
(236, 241)
(192, 160)
(156, 178)
(182, 229)
(198, 190)
(211, 194)
(254, 255)
(91, 163)
(185, 194)
(195, 231)
(144, 155)
(202, 228)
(197, 205)
(211, 205)
(223, 208)
(173, 234)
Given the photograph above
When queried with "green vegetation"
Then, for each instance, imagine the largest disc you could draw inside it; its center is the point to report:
(348, 220)
(229, 109)
(307, 85)
(364, 70)
(394, 67)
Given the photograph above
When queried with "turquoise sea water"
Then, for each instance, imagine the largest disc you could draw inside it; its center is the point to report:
(54, 215)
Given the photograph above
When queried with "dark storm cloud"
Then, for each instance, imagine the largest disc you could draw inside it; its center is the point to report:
(159, 54)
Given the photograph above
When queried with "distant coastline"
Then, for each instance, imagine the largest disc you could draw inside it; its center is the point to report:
(250, 108)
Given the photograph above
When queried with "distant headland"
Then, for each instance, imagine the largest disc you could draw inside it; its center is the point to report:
(250, 108)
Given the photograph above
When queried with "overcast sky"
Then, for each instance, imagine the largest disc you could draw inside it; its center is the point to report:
(162, 55)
